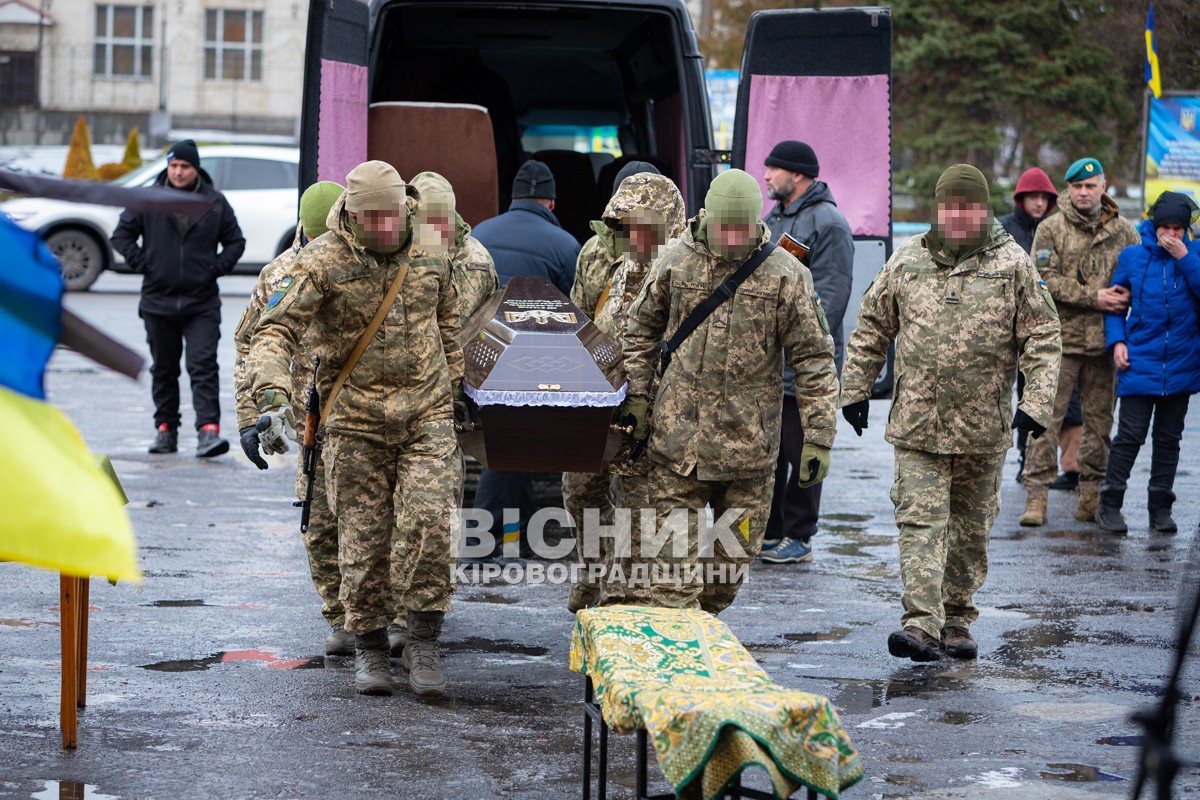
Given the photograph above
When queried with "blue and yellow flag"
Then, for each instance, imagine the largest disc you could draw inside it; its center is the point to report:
(1153, 79)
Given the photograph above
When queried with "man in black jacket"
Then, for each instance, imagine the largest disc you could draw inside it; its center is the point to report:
(179, 260)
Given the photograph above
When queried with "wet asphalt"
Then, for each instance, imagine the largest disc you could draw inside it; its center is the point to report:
(208, 681)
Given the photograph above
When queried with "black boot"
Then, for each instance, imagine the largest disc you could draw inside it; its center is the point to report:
(421, 657)
(1108, 514)
(372, 674)
(166, 439)
(1159, 502)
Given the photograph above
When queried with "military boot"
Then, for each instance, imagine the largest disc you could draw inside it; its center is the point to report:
(1108, 514)
(1159, 502)
(372, 674)
(1089, 502)
(914, 643)
(1035, 511)
(581, 596)
(957, 642)
(421, 657)
(339, 642)
(397, 638)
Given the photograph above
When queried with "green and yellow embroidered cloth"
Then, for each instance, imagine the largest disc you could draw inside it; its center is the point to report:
(709, 708)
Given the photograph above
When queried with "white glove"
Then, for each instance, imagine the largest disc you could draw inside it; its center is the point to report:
(272, 427)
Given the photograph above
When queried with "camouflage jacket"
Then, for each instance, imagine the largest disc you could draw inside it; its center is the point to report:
(335, 288)
(593, 268)
(243, 382)
(1076, 259)
(719, 404)
(959, 333)
(472, 271)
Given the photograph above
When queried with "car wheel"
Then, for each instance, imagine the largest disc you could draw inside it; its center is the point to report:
(79, 254)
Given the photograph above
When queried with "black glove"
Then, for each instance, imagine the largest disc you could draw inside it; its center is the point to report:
(1025, 422)
(856, 415)
(250, 446)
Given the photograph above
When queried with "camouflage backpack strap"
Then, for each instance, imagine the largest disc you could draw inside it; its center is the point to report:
(360, 346)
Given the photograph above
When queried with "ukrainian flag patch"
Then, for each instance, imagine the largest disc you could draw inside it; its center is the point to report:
(280, 291)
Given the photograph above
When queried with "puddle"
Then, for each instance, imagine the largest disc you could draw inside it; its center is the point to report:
(960, 717)
(71, 790)
(902, 780)
(492, 597)
(1078, 773)
(1121, 741)
(860, 696)
(477, 644)
(849, 517)
(26, 623)
(268, 659)
(176, 603)
(832, 635)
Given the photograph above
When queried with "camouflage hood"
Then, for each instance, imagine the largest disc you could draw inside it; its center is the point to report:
(654, 193)
(461, 231)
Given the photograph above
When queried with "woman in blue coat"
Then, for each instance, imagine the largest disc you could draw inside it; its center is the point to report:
(1157, 353)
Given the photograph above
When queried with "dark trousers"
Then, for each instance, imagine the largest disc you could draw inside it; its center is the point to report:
(1133, 424)
(166, 336)
(1074, 414)
(500, 490)
(794, 511)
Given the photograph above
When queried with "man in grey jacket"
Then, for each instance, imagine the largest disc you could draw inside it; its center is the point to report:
(805, 209)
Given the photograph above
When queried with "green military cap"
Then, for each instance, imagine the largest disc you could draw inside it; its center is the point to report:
(1083, 169)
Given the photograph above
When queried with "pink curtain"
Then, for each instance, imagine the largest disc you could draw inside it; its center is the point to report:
(342, 140)
(846, 121)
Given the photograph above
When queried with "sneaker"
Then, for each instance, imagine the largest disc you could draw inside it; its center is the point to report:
(957, 643)
(339, 642)
(788, 551)
(1066, 482)
(768, 545)
(166, 440)
(209, 442)
(914, 643)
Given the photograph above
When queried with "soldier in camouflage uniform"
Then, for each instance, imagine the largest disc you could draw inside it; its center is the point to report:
(320, 540)
(717, 408)
(1076, 252)
(964, 307)
(440, 228)
(644, 213)
(392, 466)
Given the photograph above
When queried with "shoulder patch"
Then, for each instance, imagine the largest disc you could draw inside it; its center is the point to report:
(284, 287)
(1047, 296)
(1042, 257)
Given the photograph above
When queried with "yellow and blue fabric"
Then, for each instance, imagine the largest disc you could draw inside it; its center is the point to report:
(708, 707)
(62, 508)
(1153, 78)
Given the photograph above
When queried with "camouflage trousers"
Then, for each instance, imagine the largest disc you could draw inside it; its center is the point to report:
(394, 497)
(945, 508)
(681, 578)
(617, 589)
(402, 566)
(581, 491)
(1097, 379)
(321, 542)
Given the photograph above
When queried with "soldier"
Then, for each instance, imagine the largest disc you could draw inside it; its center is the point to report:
(965, 308)
(442, 229)
(320, 540)
(645, 211)
(715, 436)
(392, 467)
(1076, 252)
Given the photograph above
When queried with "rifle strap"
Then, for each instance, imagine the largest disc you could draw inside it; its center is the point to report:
(360, 346)
(710, 304)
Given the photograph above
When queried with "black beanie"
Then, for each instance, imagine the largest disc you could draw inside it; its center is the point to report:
(794, 157)
(184, 150)
(534, 180)
(1172, 208)
(633, 168)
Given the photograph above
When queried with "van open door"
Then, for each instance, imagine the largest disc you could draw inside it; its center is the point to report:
(824, 77)
(333, 122)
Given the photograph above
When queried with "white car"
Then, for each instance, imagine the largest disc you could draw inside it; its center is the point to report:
(261, 183)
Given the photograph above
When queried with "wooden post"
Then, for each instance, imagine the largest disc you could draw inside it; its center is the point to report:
(81, 628)
(68, 590)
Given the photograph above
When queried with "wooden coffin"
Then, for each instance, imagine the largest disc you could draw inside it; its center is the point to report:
(546, 381)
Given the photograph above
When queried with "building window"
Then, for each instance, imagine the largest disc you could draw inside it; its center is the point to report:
(124, 42)
(233, 45)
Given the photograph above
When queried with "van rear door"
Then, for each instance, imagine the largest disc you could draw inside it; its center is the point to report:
(333, 128)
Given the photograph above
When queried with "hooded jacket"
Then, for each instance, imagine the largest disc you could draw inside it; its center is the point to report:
(1161, 331)
(180, 269)
(1076, 258)
(814, 219)
(1020, 225)
(527, 240)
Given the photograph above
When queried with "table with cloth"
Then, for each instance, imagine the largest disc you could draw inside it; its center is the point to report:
(708, 707)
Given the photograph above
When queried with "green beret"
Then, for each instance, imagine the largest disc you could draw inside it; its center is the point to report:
(1083, 169)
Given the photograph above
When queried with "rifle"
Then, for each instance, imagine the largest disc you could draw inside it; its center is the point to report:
(312, 446)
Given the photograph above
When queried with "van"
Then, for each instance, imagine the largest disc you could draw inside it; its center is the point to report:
(471, 89)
